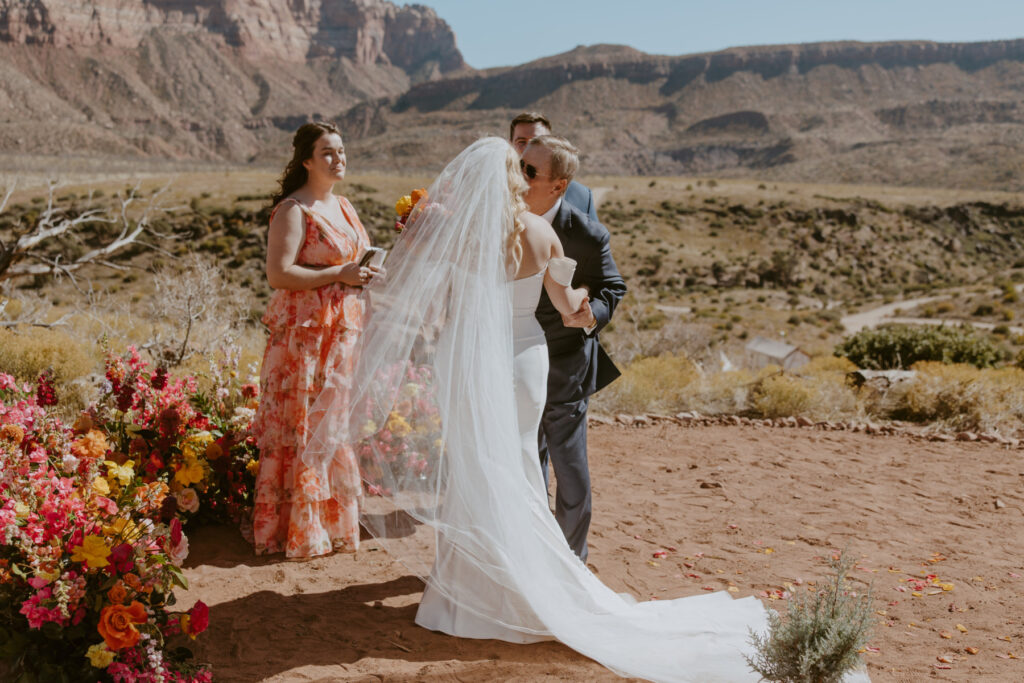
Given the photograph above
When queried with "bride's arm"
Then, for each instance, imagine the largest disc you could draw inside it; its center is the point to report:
(558, 281)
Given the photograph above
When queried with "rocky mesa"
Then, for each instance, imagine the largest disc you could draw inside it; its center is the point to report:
(228, 80)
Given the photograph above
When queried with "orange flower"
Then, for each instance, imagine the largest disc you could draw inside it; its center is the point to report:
(93, 444)
(117, 625)
(117, 594)
(83, 423)
(417, 195)
(13, 433)
(133, 582)
(151, 496)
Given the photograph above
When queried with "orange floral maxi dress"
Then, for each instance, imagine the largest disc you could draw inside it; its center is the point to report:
(313, 336)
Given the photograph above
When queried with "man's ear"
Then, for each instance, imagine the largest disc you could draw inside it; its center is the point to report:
(561, 186)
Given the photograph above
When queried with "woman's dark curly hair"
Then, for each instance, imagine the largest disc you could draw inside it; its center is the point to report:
(295, 174)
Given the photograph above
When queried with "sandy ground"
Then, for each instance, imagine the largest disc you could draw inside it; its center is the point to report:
(753, 510)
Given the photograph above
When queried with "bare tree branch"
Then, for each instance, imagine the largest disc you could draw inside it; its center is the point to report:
(25, 258)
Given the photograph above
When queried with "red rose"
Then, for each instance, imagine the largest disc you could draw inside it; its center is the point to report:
(199, 618)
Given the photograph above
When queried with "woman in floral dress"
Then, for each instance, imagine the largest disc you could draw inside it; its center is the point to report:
(314, 317)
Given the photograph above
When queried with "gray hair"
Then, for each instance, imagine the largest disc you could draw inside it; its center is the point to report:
(565, 158)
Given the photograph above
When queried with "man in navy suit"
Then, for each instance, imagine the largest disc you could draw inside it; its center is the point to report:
(579, 366)
(529, 125)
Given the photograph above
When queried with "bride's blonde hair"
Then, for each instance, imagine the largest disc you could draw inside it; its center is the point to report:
(516, 206)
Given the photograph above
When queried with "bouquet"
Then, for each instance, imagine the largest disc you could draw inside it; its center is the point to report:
(405, 206)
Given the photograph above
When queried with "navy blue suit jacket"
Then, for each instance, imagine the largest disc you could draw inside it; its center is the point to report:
(580, 196)
(579, 366)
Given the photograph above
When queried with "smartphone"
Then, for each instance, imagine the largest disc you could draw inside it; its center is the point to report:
(373, 256)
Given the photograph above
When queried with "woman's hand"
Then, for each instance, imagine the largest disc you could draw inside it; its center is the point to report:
(354, 275)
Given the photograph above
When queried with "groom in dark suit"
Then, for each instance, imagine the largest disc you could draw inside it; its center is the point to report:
(579, 366)
(531, 124)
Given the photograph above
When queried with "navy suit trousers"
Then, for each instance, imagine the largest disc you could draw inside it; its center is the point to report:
(563, 443)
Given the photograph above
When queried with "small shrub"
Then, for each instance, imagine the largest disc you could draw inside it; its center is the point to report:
(650, 384)
(900, 346)
(782, 395)
(818, 640)
(962, 397)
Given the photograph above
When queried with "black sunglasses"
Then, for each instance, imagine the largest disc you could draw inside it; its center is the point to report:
(530, 170)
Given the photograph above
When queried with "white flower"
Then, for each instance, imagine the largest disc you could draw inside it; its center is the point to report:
(179, 552)
(242, 417)
(188, 500)
(69, 463)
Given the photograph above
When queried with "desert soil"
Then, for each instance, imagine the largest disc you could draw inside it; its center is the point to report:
(752, 510)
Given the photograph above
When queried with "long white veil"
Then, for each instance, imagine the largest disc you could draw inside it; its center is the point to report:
(431, 408)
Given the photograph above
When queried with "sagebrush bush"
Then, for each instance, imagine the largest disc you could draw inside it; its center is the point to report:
(900, 346)
(650, 384)
(818, 389)
(27, 352)
(818, 640)
(961, 396)
(782, 395)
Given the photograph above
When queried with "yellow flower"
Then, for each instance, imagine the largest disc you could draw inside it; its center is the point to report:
(214, 451)
(190, 473)
(398, 426)
(196, 444)
(99, 656)
(253, 466)
(403, 205)
(183, 621)
(93, 551)
(123, 473)
(122, 526)
(21, 510)
(369, 429)
(100, 486)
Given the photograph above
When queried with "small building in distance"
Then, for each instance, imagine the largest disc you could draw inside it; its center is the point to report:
(762, 352)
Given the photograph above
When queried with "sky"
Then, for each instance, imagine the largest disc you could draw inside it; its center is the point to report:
(508, 32)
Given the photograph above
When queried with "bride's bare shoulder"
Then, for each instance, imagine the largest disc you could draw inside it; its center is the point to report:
(534, 223)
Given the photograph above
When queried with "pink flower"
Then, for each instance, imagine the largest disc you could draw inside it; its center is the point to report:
(122, 559)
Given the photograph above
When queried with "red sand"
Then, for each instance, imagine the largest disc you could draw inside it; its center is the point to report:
(774, 504)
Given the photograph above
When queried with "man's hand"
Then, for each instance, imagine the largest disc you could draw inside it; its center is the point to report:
(582, 318)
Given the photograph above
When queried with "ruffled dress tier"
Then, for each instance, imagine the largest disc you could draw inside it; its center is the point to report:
(313, 335)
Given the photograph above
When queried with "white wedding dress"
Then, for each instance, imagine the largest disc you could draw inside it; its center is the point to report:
(475, 524)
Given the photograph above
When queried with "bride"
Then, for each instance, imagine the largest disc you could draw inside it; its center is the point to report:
(447, 393)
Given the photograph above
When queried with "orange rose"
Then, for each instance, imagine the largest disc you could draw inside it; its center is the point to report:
(417, 195)
(133, 582)
(117, 625)
(117, 594)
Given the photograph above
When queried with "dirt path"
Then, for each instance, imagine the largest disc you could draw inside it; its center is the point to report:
(876, 316)
(754, 509)
(886, 314)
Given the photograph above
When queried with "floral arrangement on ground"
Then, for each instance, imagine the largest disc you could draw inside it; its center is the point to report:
(92, 516)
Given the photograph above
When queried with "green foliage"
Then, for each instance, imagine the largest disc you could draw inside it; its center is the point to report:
(900, 346)
(818, 640)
